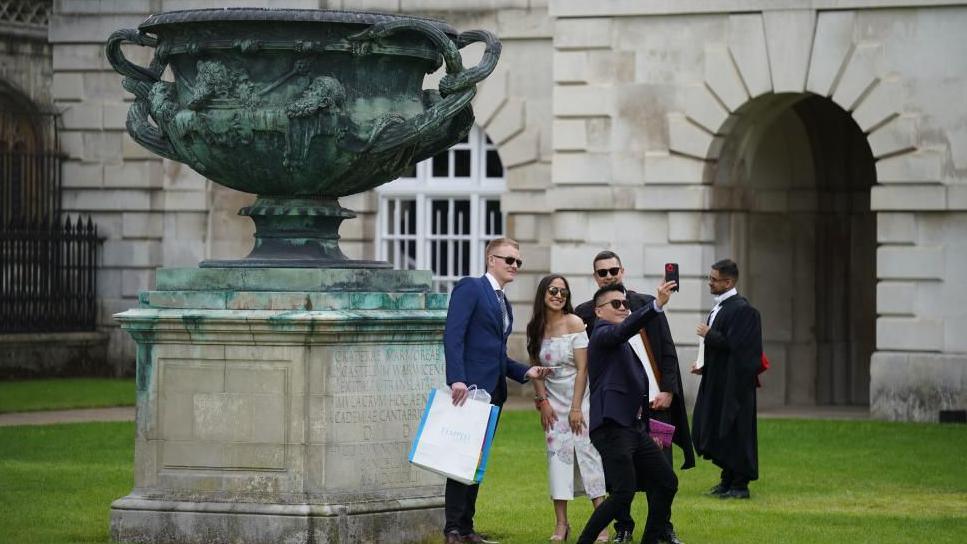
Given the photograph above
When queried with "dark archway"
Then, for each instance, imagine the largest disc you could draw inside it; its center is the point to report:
(796, 214)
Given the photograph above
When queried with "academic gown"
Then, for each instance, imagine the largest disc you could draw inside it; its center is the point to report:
(724, 420)
(666, 357)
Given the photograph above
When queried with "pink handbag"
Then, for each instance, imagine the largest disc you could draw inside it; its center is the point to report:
(661, 431)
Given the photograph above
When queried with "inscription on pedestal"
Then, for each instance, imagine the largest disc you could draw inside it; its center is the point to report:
(375, 398)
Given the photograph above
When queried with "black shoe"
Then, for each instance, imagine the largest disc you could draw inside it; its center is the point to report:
(719, 490)
(735, 493)
(622, 536)
(670, 538)
(453, 537)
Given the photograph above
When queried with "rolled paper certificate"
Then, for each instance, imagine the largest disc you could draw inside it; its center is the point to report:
(700, 358)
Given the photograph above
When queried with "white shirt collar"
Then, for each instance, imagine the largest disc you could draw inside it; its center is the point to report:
(495, 284)
(719, 299)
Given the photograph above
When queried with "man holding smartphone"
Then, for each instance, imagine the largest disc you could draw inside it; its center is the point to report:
(659, 353)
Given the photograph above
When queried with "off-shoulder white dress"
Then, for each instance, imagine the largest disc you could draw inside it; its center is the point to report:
(573, 465)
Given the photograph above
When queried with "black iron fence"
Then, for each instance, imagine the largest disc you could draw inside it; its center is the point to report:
(48, 276)
(30, 186)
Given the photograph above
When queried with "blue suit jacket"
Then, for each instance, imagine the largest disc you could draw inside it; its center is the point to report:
(619, 386)
(474, 339)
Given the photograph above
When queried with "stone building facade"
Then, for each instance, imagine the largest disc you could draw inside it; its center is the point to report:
(820, 143)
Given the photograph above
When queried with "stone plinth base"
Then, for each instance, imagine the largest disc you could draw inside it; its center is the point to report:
(910, 386)
(279, 406)
(55, 354)
(155, 521)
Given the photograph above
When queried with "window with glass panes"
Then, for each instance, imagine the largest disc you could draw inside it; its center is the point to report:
(441, 214)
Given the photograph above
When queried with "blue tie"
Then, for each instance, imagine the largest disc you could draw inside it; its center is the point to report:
(502, 299)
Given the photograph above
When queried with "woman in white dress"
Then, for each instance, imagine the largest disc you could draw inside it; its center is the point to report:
(556, 337)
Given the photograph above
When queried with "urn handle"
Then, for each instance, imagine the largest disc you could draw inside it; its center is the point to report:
(456, 89)
(138, 81)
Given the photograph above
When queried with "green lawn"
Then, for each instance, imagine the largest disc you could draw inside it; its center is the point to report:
(822, 482)
(65, 393)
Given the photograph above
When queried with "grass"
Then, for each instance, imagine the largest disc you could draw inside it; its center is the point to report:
(64, 394)
(822, 481)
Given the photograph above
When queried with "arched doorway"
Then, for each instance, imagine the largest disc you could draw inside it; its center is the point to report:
(793, 187)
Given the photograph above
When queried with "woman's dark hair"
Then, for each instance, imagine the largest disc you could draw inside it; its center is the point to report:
(535, 328)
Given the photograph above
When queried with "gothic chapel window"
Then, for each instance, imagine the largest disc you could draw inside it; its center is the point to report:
(441, 214)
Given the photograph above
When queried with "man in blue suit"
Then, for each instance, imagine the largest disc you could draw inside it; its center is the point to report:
(479, 320)
(618, 422)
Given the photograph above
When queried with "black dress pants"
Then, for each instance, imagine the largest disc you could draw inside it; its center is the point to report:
(632, 462)
(628, 525)
(460, 500)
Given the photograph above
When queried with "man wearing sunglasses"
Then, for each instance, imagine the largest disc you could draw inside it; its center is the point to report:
(655, 348)
(479, 320)
(618, 422)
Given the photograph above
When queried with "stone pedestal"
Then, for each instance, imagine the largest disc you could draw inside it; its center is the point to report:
(278, 406)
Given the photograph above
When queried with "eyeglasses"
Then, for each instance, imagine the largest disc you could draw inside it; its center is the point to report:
(603, 273)
(554, 291)
(510, 260)
(617, 304)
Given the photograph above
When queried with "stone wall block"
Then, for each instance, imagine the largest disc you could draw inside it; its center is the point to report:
(523, 23)
(570, 134)
(84, 115)
(529, 227)
(134, 281)
(860, 73)
(690, 257)
(67, 86)
(789, 34)
(703, 108)
(78, 174)
(102, 147)
(71, 28)
(537, 257)
(365, 202)
(491, 95)
(531, 176)
(570, 226)
(133, 175)
(525, 202)
(923, 165)
(882, 103)
(957, 197)
(627, 228)
(133, 151)
(683, 197)
(723, 79)
(583, 101)
(896, 228)
(831, 48)
(909, 334)
(910, 262)
(896, 298)
(691, 227)
(142, 225)
(522, 149)
(115, 116)
(907, 197)
(583, 33)
(507, 122)
(916, 386)
(590, 198)
(747, 43)
(570, 67)
(687, 138)
(131, 253)
(78, 58)
(581, 168)
(94, 200)
(627, 169)
(663, 168)
(896, 136)
(185, 201)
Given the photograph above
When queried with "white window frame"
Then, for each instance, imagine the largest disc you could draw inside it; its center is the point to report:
(424, 188)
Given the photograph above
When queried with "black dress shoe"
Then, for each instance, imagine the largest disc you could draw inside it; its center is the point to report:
(736, 494)
(719, 490)
(622, 536)
(670, 538)
(453, 537)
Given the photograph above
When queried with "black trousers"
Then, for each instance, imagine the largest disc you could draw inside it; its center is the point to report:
(632, 462)
(460, 499)
(628, 524)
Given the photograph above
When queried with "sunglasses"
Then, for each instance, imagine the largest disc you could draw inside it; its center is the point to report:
(554, 291)
(616, 304)
(510, 260)
(603, 273)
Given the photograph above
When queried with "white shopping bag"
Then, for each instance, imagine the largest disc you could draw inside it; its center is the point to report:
(453, 440)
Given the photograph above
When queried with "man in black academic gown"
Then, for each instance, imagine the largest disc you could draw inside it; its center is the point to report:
(724, 420)
(669, 403)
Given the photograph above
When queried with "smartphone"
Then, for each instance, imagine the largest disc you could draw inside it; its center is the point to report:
(671, 274)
